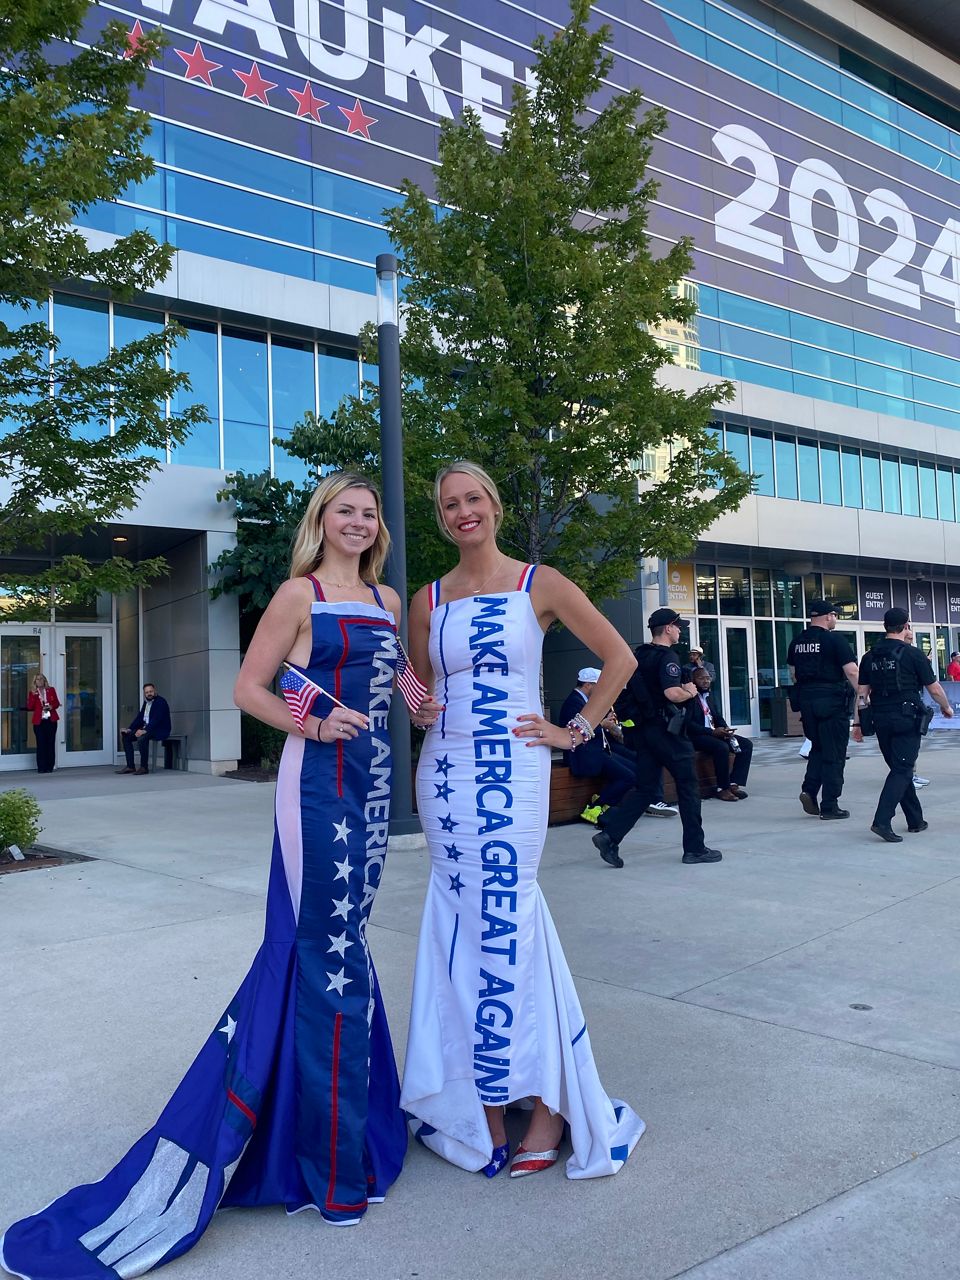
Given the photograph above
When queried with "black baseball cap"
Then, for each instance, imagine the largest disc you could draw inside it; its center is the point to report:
(895, 619)
(663, 618)
(820, 607)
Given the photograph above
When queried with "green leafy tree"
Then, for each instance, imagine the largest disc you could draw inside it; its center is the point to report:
(74, 439)
(531, 309)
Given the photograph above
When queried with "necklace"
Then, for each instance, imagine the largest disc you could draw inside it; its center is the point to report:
(343, 586)
(474, 591)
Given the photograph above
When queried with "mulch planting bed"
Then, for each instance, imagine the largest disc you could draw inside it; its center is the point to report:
(38, 856)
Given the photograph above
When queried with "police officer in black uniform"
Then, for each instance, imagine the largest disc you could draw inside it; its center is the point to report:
(891, 677)
(824, 668)
(658, 694)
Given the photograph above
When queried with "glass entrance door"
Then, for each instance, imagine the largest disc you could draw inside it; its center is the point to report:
(88, 732)
(923, 639)
(23, 654)
(738, 679)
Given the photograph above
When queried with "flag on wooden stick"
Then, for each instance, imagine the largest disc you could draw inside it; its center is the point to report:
(408, 682)
(300, 694)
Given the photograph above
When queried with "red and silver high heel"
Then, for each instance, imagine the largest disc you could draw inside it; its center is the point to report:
(526, 1162)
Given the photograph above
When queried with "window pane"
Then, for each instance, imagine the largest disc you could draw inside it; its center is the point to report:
(852, 487)
(809, 471)
(841, 589)
(766, 668)
(734, 586)
(244, 376)
(130, 324)
(246, 436)
(339, 377)
(196, 355)
(830, 473)
(872, 499)
(784, 633)
(928, 491)
(761, 461)
(909, 489)
(787, 595)
(890, 478)
(737, 445)
(945, 497)
(706, 589)
(762, 594)
(292, 373)
(246, 446)
(786, 451)
(82, 327)
(812, 589)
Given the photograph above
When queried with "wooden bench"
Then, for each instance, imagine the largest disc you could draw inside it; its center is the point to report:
(569, 796)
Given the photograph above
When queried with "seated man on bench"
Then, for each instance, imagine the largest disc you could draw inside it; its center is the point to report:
(710, 733)
(596, 759)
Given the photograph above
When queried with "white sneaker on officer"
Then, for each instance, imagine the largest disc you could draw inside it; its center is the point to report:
(920, 782)
(662, 810)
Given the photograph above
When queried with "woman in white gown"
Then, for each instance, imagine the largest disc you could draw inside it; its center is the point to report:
(495, 1015)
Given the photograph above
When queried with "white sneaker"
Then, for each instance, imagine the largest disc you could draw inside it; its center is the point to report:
(920, 782)
(662, 810)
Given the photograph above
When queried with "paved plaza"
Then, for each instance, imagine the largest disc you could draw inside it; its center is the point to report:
(786, 1021)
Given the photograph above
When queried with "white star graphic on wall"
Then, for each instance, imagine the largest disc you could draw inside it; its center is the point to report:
(338, 981)
(342, 831)
(343, 869)
(342, 907)
(339, 944)
(228, 1028)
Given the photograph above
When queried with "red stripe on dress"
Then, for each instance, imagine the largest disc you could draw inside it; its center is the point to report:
(523, 574)
(317, 588)
(242, 1106)
(335, 1123)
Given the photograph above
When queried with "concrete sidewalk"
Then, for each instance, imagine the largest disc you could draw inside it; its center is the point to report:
(786, 1021)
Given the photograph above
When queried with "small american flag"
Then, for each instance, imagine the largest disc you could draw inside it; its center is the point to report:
(299, 694)
(408, 682)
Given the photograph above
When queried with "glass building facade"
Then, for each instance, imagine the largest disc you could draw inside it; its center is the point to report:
(820, 187)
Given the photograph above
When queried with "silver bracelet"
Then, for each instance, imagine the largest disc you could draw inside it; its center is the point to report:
(582, 726)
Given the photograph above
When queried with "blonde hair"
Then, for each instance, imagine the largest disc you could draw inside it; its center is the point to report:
(484, 480)
(307, 554)
(41, 676)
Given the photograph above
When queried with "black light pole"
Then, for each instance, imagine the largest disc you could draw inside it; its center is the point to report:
(402, 820)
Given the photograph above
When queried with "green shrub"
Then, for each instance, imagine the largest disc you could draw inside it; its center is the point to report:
(260, 744)
(19, 819)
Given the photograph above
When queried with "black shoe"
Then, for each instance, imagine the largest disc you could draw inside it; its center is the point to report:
(705, 855)
(809, 804)
(609, 852)
(828, 815)
(886, 833)
(921, 826)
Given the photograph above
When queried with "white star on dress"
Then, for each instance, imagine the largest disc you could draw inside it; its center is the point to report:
(339, 944)
(343, 869)
(342, 831)
(342, 907)
(338, 981)
(228, 1028)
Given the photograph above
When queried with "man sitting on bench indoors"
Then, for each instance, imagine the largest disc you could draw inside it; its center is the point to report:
(152, 722)
(709, 732)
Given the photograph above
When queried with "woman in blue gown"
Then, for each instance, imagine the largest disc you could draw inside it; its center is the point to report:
(294, 1098)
